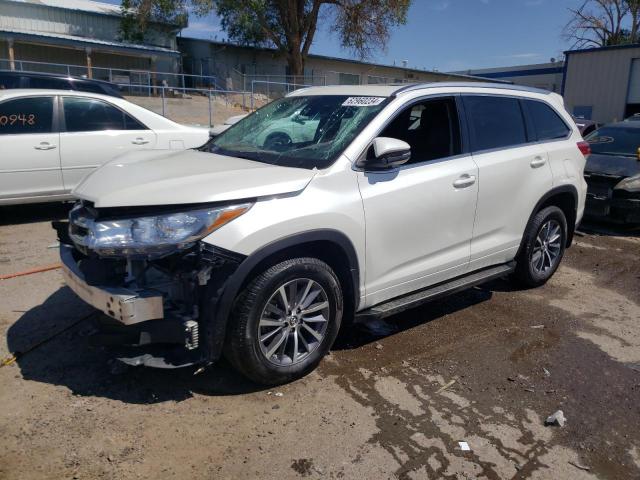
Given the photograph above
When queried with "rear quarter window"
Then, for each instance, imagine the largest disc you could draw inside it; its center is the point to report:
(547, 124)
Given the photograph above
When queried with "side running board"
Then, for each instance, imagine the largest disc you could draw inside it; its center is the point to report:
(412, 300)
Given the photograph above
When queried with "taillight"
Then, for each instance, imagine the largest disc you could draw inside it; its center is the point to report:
(585, 148)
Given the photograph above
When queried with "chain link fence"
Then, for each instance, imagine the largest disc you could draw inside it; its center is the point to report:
(184, 98)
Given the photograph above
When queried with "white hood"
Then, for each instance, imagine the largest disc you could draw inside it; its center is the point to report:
(187, 176)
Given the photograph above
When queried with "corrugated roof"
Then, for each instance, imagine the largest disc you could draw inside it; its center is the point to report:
(83, 5)
(602, 49)
(88, 6)
(91, 41)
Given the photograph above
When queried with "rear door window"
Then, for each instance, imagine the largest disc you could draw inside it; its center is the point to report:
(93, 115)
(546, 122)
(26, 115)
(495, 122)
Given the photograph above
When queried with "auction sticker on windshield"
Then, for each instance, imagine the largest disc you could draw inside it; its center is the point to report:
(363, 101)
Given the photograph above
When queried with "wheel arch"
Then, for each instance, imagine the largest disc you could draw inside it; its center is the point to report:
(331, 246)
(565, 197)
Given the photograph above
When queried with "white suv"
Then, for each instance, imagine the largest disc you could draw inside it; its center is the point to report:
(262, 250)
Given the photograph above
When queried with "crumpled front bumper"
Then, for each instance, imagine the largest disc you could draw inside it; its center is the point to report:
(139, 330)
(127, 306)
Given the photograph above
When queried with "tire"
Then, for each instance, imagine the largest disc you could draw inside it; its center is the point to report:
(537, 260)
(259, 321)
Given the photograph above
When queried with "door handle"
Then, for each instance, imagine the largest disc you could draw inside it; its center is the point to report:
(44, 146)
(139, 141)
(464, 181)
(538, 162)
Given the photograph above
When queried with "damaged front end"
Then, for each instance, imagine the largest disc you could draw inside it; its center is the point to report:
(154, 288)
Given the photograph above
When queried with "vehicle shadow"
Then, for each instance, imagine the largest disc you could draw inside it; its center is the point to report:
(69, 360)
(362, 333)
(592, 227)
(35, 212)
(59, 329)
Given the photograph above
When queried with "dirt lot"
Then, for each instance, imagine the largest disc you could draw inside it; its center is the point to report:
(194, 110)
(382, 405)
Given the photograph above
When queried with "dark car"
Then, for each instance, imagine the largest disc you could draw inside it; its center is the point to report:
(612, 173)
(12, 79)
(585, 126)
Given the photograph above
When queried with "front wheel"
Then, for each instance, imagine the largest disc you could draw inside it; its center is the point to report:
(285, 321)
(543, 247)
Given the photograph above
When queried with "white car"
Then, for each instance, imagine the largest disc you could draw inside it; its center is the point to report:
(51, 139)
(402, 195)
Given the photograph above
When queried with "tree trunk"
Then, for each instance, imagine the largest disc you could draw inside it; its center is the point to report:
(295, 63)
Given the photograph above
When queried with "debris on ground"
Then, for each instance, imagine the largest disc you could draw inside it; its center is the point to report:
(556, 419)
(581, 467)
(379, 346)
(464, 446)
(279, 394)
(537, 326)
(445, 386)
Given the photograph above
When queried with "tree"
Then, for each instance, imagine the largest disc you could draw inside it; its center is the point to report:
(600, 23)
(289, 25)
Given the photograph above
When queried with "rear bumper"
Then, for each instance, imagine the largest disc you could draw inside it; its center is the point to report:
(611, 208)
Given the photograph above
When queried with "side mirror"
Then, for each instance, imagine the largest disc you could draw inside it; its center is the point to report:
(387, 153)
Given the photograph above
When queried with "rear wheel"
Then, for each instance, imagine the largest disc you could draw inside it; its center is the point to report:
(543, 247)
(285, 321)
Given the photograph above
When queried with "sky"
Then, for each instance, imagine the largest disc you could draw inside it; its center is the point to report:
(451, 35)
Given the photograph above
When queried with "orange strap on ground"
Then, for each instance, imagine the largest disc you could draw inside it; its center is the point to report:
(29, 272)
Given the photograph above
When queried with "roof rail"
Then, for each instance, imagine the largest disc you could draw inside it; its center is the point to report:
(418, 86)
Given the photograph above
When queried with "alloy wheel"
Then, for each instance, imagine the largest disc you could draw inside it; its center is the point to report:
(293, 322)
(547, 247)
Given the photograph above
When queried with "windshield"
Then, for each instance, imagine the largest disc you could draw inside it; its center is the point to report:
(305, 132)
(615, 141)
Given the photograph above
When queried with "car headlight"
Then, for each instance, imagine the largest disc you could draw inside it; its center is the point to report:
(150, 236)
(631, 184)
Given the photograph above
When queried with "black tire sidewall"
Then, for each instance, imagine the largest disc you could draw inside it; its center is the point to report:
(525, 271)
(247, 356)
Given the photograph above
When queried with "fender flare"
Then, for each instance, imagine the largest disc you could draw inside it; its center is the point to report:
(221, 294)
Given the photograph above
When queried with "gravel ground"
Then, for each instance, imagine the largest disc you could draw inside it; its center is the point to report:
(393, 399)
(195, 109)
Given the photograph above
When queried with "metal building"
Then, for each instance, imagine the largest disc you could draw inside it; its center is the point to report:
(547, 76)
(80, 33)
(238, 67)
(603, 84)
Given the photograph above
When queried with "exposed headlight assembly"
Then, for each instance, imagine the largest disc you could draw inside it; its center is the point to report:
(149, 236)
(631, 184)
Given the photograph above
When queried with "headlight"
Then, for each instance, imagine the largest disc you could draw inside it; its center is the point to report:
(631, 184)
(149, 236)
